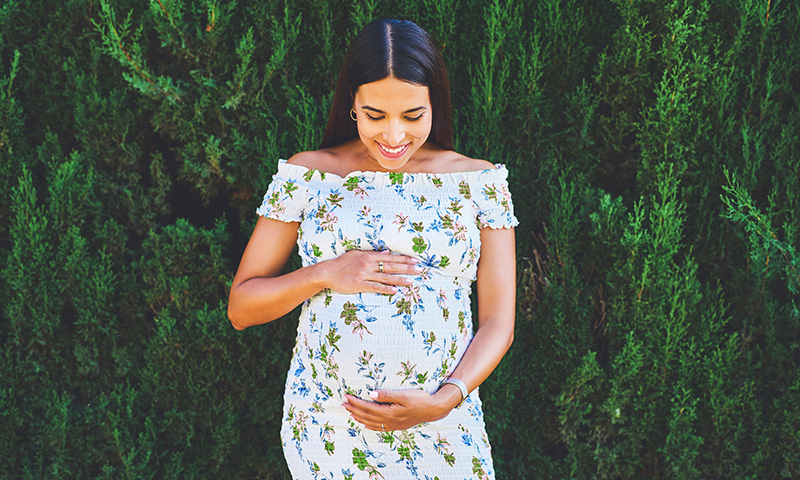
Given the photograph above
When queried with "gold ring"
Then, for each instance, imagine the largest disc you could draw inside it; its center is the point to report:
(380, 267)
(382, 429)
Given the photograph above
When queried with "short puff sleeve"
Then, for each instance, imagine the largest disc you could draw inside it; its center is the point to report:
(493, 199)
(287, 195)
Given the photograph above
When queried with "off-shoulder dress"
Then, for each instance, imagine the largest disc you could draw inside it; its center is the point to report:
(356, 343)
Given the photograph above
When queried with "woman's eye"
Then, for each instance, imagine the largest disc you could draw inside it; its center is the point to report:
(373, 118)
(414, 119)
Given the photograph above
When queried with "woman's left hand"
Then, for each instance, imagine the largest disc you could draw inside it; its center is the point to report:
(402, 409)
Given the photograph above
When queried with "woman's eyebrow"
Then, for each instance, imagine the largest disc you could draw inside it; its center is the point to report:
(411, 110)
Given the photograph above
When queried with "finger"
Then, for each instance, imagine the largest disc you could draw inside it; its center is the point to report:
(393, 279)
(387, 396)
(399, 258)
(402, 268)
(366, 417)
(378, 287)
(369, 411)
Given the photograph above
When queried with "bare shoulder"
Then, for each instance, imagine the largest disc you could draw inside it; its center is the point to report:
(316, 159)
(337, 160)
(450, 161)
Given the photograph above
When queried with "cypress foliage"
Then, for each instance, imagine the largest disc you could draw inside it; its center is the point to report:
(653, 153)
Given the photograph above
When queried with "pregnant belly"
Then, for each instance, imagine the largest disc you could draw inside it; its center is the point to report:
(359, 343)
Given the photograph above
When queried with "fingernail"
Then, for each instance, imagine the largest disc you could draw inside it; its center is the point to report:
(373, 395)
(417, 268)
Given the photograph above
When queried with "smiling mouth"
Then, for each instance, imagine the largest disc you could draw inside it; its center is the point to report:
(396, 152)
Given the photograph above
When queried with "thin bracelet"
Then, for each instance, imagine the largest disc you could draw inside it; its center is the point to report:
(461, 386)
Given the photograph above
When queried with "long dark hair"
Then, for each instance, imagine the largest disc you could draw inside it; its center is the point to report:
(391, 48)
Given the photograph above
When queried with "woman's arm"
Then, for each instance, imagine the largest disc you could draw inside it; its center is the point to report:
(496, 285)
(260, 294)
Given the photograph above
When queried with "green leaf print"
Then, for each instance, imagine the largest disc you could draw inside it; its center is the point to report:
(417, 226)
(491, 192)
(329, 448)
(351, 183)
(453, 350)
(307, 176)
(445, 262)
(316, 250)
(437, 182)
(332, 338)
(387, 437)
(360, 461)
(349, 313)
(323, 209)
(274, 199)
(441, 445)
(335, 199)
(403, 306)
(447, 222)
(348, 244)
(406, 370)
(419, 245)
(396, 177)
(405, 452)
(478, 469)
(455, 207)
(463, 189)
(350, 318)
(289, 188)
(407, 445)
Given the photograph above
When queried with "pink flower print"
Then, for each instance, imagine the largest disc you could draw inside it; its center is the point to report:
(328, 222)
(459, 231)
(349, 315)
(400, 220)
(365, 210)
(365, 358)
(472, 254)
(411, 294)
(441, 299)
(440, 446)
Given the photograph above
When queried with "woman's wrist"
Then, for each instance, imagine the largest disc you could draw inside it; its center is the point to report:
(447, 398)
(319, 275)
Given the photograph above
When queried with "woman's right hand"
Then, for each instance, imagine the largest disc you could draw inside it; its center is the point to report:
(261, 292)
(359, 271)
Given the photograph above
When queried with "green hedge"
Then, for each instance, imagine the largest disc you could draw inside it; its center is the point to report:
(654, 152)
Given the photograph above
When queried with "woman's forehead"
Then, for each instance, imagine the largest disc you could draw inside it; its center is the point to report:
(392, 94)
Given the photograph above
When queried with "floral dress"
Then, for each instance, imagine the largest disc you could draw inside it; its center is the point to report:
(356, 343)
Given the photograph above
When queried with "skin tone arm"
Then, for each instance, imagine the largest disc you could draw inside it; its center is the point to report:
(260, 294)
(496, 286)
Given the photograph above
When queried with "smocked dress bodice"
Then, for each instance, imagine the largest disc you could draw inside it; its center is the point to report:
(356, 343)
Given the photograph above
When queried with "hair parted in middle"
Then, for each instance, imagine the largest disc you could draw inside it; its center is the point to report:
(391, 48)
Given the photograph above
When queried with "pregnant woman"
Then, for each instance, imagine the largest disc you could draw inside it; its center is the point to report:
(393, 229)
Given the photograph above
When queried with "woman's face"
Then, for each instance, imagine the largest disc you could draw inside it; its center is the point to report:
(394, 120)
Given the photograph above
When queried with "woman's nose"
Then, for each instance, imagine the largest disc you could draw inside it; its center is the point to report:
(394, 134)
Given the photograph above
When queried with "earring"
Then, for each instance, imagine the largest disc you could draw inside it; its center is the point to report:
(353, 114)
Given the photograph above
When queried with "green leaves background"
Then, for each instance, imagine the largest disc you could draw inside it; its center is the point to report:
(653, 152)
